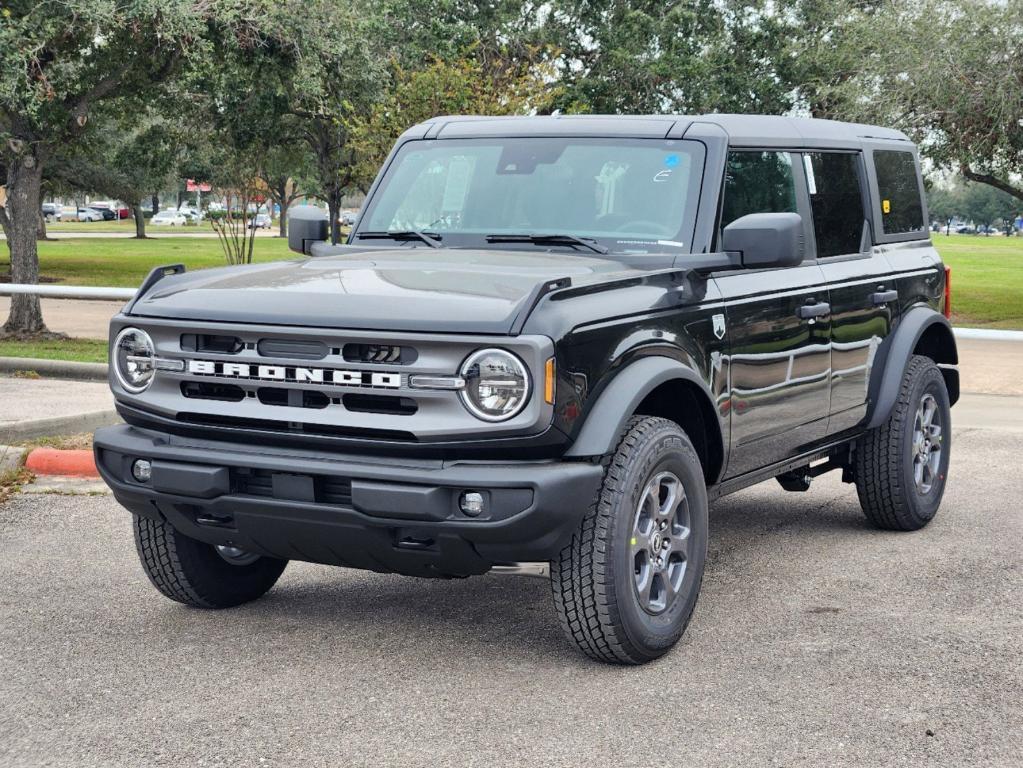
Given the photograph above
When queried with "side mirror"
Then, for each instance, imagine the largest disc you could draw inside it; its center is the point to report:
(307, 224)
(766, 239)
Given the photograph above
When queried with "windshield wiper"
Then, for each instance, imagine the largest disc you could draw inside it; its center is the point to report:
(432, 239)
(552, 239)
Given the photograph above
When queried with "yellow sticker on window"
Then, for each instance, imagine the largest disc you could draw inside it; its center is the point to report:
(886, 206)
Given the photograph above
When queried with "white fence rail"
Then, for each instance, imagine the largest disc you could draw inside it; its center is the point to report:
(68, 292)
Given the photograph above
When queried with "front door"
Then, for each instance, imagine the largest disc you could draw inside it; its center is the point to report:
(778, 323)
(861, 297)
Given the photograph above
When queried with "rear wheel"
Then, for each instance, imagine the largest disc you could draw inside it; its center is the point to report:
(626, 585)
(199, 574)
(902, 465)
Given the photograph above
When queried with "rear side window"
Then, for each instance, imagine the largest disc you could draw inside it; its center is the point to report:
(758, 182)
(836, 200)
(899, 190)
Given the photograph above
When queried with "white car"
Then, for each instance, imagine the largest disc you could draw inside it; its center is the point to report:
(168, 219)
(261, 221)
(89, 214)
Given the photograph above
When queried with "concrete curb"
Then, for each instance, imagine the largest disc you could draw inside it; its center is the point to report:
(59, 425)
(58, 369)
(51, 461)
(11, 457)
(988, 334)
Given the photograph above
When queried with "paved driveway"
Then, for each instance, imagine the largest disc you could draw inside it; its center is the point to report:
(817, 641)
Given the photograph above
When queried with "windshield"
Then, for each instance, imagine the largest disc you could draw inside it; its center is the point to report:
(627, 195)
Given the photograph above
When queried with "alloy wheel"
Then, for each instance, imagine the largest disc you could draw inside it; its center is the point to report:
(659, 543)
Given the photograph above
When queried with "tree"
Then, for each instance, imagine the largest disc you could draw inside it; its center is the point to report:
(948, 73)
(443, 88)
(648, 56)
(125, 159)
(285, 170)
(985, 205)
(58, 62)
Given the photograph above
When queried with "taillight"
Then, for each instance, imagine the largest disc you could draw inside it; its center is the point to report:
(947, 309)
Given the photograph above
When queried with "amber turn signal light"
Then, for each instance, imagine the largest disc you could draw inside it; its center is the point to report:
(548, 382)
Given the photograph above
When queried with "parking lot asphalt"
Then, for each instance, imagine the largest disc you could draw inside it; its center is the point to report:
(817, 641)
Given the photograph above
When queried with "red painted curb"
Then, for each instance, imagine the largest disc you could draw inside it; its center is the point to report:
(50, 461)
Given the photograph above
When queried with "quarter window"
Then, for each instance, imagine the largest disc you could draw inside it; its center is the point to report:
(758, 182)
(899, 190)
(836, 200)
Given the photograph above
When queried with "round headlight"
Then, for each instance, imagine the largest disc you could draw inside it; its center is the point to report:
(134, 359)
(496, 384)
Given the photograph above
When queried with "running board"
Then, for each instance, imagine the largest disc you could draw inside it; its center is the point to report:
(734, 484)
(538, 570)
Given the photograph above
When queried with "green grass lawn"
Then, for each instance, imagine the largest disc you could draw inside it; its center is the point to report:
(124, 262)
(77, 350)
(987, 279)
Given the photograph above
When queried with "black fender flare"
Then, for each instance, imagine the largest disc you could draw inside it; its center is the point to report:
(894, 354)
(606, 419)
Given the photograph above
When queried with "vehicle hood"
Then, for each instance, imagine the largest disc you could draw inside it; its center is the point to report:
(400, 289)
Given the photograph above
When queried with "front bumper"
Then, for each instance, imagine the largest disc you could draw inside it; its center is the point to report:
(377, 513)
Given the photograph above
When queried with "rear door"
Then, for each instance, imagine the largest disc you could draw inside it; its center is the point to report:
(862, 295)
(777, 324)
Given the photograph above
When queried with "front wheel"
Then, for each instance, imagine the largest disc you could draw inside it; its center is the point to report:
(626, 585)
(199, 574)
(902, 465)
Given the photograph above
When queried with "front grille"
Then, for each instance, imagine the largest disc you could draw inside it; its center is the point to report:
(203, 390)
(295, 428)
(211, 343)
(287, 383)
(295, 398)
(327, 489)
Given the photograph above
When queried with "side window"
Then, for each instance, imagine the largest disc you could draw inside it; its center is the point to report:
(836, 200)
(899, 190)
(757, 182)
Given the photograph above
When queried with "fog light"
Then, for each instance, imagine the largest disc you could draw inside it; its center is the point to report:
(471, 503)
(142, 470)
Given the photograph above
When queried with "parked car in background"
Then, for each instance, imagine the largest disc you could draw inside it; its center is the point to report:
(106, 214)
(123, 213)
(348, 218)
(169, 218)
(89, 214)
(261, 221)
(192, 215)
(966, 231)
(52, 212)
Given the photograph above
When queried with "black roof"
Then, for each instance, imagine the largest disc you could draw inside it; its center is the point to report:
(742, 130)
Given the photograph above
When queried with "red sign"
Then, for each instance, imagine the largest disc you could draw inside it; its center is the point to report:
(191, 186)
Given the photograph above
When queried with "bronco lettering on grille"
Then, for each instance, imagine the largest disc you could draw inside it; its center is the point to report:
(295, 374)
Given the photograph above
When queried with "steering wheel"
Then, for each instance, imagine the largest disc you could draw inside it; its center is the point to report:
(644, 226)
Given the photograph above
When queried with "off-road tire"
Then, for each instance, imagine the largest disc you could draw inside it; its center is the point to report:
(593, 577)
(193, 573)
(884, 457)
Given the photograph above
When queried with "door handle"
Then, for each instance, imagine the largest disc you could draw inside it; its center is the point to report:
(811, 311)
(883, 297)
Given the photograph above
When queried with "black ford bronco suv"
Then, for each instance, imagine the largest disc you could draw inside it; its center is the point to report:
(548, 342)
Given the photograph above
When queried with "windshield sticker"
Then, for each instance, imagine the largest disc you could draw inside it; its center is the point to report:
(662, 176)
(457, 184)
(671, 161)
(672, 243)
(810, 180)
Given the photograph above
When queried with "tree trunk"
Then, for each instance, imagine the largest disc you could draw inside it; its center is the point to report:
(282, 201)
(156, 203)
(24, 179)
(140, 221)
(334, 209)
(41, 228)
